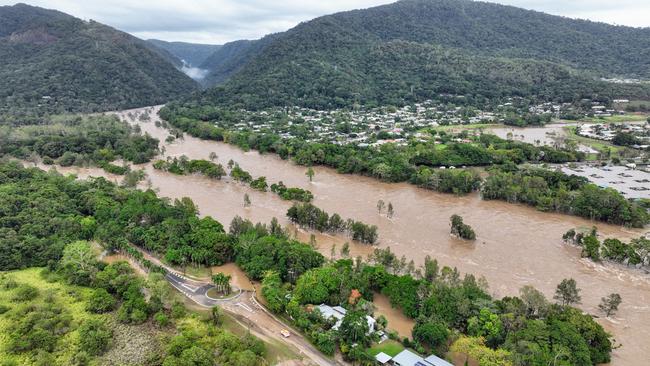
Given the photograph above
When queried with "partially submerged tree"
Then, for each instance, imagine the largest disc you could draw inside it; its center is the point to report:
(609, 305)
(380, 206)
(567, 292)
(310, 173)
(460, 229)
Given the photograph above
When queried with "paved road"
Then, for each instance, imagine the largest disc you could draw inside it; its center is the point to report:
(244, 305)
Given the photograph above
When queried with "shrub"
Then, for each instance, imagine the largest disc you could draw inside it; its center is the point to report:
(161, 319)
(94, 337)
(178, 310)
(100, 302)
(25, 293)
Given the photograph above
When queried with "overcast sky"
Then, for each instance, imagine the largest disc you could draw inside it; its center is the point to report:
(220, 21)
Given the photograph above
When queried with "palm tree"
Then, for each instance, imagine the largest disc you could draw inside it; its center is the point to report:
(222, 283)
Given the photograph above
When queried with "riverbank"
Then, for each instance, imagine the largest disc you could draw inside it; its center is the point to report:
(516, 245)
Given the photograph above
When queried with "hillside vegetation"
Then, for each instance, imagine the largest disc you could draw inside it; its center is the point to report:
(414, 49)
(53, 62)
(230, 58)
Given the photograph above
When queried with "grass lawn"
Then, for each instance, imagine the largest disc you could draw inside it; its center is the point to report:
(389, 347)
(615, 119)
(213, 293)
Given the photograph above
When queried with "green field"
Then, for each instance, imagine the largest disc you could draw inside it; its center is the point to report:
(69, 297)
(614, 119)
(389, 347)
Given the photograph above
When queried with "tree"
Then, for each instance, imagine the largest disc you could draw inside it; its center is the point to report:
(389, 211)
(222, 282)
(430, 333)
(535, 301)
(567, 292)
(345, 250)
(273, 292)
(216, 315)
(100, 301)
(78, 263)
(380, 206)
(354, 327)
(591, 247)
(460, 229)
(312, 241)
(609, 305)
(247, 200)
(486, 324)
(431, 269)
(94, 337)
(310, 173)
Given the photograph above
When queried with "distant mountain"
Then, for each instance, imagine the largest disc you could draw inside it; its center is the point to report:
(416, 49)
(230, 58)
(194, 54)
(53, 62)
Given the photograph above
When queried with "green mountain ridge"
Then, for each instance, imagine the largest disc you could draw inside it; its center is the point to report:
(414, 49)
(51, 62)
(230, 58)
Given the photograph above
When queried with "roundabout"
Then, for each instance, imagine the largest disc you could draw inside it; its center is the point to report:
(216, 295)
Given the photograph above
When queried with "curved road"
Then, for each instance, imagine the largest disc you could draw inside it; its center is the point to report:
(243, 305)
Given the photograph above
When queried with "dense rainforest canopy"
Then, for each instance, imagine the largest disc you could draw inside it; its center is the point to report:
(415, 49)
(53, 62)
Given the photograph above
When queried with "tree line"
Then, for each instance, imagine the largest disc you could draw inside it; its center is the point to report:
(635, 253)
(557, 192)
(76, 140)
(452, 313)
(308, 215)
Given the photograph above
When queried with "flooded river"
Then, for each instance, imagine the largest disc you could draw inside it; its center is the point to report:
(516, 245)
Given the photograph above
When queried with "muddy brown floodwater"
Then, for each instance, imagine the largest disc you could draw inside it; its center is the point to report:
(516, 245)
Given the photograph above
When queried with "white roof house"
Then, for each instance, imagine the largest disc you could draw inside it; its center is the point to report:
(437, 361)
(338, 312)
(382, 358)
(409, 358)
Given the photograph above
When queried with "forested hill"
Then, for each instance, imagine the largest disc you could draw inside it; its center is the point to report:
(193, 54)
(414, 49)
(230, 58)
(52, 62)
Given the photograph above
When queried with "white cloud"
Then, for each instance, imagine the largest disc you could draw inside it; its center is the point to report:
(220, 21)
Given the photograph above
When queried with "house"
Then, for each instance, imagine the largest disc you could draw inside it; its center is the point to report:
(382, 358)
(338, 312)
(410, 358)
(407, 358)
